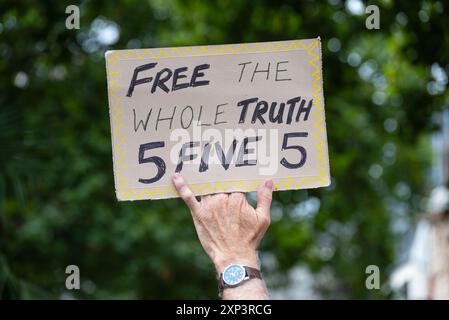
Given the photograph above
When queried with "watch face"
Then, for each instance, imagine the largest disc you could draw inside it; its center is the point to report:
(234, 274)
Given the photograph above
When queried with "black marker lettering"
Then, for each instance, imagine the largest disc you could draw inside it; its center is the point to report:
(280, 113)
(144, 125)
(197, 74)
(305, 110)
(160, 80)
(204, 165)
(280, 70)
(225, 160)
(182, 117)
(292, 103)
(183, 156)
(261, 108)
(257, 71)
(135, 81)
(245, 151)
(176, 76)
(243, 68)
(218, 113)
(300, 149)
(164, 119)
(244, 104)
(158, 161)
(199, 119)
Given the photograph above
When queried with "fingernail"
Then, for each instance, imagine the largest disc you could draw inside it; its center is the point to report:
(269, 184)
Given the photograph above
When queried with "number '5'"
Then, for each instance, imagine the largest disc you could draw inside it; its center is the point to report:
(158, 161)
(303, 152)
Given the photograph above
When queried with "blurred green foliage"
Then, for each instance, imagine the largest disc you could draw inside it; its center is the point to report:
(383, 88)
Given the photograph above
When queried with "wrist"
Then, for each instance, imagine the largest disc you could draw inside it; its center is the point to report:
(249, 259)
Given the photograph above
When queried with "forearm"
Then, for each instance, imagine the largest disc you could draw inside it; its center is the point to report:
(253, 289)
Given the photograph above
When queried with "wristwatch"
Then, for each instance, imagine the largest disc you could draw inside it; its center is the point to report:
(234, 275)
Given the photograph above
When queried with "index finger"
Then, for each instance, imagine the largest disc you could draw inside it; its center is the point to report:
(185, 193)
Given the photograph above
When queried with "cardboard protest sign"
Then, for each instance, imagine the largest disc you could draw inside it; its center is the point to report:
(227, 117)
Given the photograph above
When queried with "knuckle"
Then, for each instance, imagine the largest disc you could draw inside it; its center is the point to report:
(221, 197)
(190, 201)
(265, 221)
(238, 199)
(220, 200)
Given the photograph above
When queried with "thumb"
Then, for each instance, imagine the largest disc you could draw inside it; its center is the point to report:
(264, 196)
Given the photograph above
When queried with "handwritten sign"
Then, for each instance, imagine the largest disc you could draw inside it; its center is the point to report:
(227, 117)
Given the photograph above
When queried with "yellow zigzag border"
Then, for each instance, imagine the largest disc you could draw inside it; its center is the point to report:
(125, 193)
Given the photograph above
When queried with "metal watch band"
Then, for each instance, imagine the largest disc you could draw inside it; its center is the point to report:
(250, 273)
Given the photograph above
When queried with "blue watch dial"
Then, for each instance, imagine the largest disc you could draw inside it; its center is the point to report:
(234, 274)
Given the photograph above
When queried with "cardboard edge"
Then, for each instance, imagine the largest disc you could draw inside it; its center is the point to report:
(114, 163)
(328, 172)
(208, 46)
(108, 53)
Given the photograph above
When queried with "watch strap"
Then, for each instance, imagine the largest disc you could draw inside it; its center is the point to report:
(250, 273)
(253, 273)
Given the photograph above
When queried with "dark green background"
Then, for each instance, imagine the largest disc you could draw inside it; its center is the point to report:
(57, 202)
